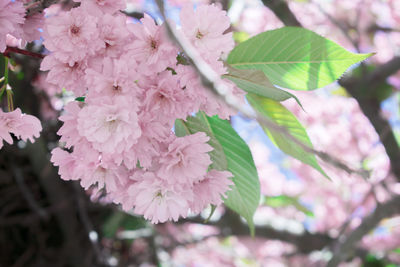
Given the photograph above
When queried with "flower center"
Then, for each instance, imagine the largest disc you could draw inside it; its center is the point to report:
(117, 88)
(75, 30)
(153, 44)
(199, 35)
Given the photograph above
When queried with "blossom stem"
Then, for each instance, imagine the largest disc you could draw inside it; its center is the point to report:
(5, 71)
(17, 50)
(5, 78)
(10, 101)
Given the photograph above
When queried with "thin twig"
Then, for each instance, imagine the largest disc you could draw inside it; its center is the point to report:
(345, 247)
(282, 11)
(88, 224)
(16, 50)
(338, 24)
(231, 224)
(26, 193)
(40, 6)
(356, 87)
(212, 80)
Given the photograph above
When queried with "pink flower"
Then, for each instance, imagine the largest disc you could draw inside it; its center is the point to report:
(72, 36)
(110, 125)
(122, 137)
(23, 126)
(99, 7)
(65, 75)
(144, 152)
(114, 78)
(11, 20)
(115, 34)
(210, 190)
(66, 163)
(186, 160)
(158, 201)
(152, 47)
(105, 177)
(31, 27)
(167, 100)
(69, 132)
(205, 27)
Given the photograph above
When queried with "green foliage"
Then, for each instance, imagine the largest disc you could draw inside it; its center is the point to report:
(255, 81)
(230, 153)
(294, 58)
(80, 99)
(240, 36)
(121, 220)
(381, 92)
(200, 123)
(284, 201)
(373, 261)
(397, 250)
(276, 112)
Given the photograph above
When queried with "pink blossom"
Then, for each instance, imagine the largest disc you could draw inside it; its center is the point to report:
(72, 36)
(105, 177)
(69, 132)
(65, 75)
(23, 126)
(187, 159)
(144, 152)
(211, 189)
(152, 47)
(31, 27)
(11, 20)
(110, 125)
(166, 99)
(115, 34)
(66, 163)
(99, 7)
(158, 201)
(112, 78)
(205, 27)
(41, 83)
(121, 136)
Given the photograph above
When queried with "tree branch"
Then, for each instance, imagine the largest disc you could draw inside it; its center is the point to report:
(39, 6)
(30, 199)
(346, 247)
(369, 105)
(381, 73)
(362, 90)
(282, 11)
(230, 224)
(17, 50)
(212, 81)
(134, 14)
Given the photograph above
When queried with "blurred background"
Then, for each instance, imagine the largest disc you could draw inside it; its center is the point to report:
(303, 219)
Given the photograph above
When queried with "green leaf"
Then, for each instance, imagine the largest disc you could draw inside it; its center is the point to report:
(294, 58)
(230, 153)
(276, 112)
(397, 250)
(80, 99)
(255, 81)
(283, 201)
(200, 124)
(118, 220)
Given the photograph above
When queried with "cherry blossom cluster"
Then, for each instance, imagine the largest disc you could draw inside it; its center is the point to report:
(135, 83)
(23, 126)
(16, 29)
